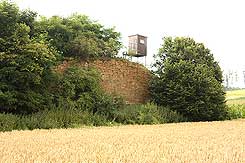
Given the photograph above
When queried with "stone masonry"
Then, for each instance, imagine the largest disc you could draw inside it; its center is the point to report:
(121, 77)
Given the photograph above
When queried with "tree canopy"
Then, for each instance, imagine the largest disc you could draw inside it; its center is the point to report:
(23, 61)
(30, 46)
(78, 36)
(188, 79)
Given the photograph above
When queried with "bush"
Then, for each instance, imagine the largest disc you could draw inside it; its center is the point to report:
(78, 88)
(8, 122)
(70, 118)
(236, 111)
(60, 118)
(147, 114)
(188, 80)
(134, 114)
(169, 116)
(108, 105)
(49, 119)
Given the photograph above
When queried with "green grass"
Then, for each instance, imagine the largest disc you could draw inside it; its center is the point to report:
(235, 97)
(236, 111)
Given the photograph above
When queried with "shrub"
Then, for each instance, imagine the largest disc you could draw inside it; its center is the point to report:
(169, 116)
(49, 119)
(236, 111)
(69, 118)
(188, 80)
(8, 122)
(60, 118)
(108, 105)
(78, 88)
(147, 114)
(130, 114)
(99, 120)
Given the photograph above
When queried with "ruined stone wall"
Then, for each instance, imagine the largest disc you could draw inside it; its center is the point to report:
(122, 77)
(127, 79)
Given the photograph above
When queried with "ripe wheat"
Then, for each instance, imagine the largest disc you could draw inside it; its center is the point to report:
(184, 142)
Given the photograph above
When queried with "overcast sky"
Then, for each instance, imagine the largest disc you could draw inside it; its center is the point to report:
(219, 24)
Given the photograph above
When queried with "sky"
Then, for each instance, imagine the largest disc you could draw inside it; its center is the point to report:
(219, 24)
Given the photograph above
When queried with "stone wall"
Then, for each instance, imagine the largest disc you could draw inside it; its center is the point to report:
(122, 77)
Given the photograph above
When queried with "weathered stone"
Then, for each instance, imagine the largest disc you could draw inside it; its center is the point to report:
(121, 77)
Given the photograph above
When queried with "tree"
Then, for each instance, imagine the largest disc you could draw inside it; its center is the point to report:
(188, 79)
(24, 63)
(78, 36)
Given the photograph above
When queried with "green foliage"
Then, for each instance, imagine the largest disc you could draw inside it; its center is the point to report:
(147, 114)
(167, 115)
(236, 111)
(60, 117)
(188, 80)
(78, 36)
(8, 122)
(134, 114)
(85, 48)
(24, 63)
(48, 119)
(78, 88)
(33, 95)
(108, 105)
(15, 27)
(80, 85)
(28, 18)
(28, 52)
(9, 14)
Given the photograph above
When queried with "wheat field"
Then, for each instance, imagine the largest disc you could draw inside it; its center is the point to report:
(203, 142)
